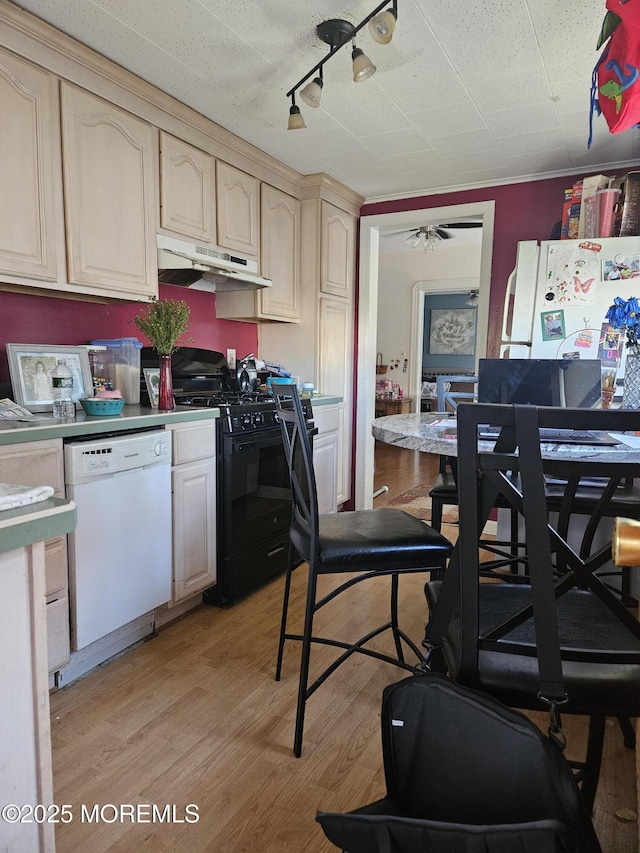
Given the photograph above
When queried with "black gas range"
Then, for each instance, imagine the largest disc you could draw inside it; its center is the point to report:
(253, 492)
(240, 412)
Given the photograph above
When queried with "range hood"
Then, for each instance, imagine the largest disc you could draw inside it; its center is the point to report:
(205, 267)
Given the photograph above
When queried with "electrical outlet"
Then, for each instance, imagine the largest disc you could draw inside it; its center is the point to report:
(231, 359)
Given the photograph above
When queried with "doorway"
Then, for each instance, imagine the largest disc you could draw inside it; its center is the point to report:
(370, 229)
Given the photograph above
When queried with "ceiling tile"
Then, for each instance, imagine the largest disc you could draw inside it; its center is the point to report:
(464, 143)
(527, 119)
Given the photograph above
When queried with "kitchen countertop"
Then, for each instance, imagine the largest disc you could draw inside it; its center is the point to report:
(325, 400)
(132, 417)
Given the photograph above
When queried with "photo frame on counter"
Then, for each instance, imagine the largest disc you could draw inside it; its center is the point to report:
(152, 379)
(30, 369)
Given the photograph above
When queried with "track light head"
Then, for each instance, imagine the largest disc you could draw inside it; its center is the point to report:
(363, 67)
(381, 26)
(312, 93)
(296, 122)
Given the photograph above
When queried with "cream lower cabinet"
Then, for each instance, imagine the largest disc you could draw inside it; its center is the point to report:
(110, 192)
(335, 365)
(193, 479)
(29, 105)
(326, 456)
(41, 463)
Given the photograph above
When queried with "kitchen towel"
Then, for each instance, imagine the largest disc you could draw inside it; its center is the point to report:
(13, 495)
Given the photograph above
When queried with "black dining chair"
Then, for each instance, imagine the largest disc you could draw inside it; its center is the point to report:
(362, 544)
(555, 636)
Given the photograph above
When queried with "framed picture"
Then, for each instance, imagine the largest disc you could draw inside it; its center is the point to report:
(31, 366)
(453, 331)
(552, 325)
(152, 378)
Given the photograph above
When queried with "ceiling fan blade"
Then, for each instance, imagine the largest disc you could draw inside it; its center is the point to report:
(462, 225)
(442, 234)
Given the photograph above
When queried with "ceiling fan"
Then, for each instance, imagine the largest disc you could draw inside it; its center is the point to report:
(429, 236)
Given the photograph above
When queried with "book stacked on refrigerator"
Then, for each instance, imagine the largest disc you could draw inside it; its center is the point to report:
(627, 214)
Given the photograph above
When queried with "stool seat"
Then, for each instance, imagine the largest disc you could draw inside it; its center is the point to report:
(372, 539)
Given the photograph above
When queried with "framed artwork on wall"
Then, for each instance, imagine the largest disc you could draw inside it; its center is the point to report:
(31, 366)
(452, 331)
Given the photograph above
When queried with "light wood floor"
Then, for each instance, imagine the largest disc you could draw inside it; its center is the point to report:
(194, 716)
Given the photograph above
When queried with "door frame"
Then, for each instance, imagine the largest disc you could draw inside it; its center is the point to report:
(370, 229)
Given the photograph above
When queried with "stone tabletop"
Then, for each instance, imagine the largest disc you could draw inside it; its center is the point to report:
(428, 432)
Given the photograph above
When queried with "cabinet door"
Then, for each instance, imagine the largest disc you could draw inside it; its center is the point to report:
(109, 165)
(194, 528)
(187, 190)
(28, 98)
(280, 255)
(325, 464)
(238, 210)
(338, 235)
(335, 367)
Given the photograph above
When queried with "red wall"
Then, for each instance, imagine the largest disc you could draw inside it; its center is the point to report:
(30, 319)
(526, 211)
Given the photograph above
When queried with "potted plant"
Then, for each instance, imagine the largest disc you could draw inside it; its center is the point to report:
(164, 323)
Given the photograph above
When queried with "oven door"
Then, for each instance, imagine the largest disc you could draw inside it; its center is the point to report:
(256, 495)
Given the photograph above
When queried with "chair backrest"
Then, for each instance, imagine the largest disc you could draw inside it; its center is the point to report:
(450, 397)
(299, 456)
(517, 469)
(465, 773)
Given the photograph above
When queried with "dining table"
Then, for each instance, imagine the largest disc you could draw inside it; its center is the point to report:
(435, 432)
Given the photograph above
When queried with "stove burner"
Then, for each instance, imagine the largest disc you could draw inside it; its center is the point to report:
(239, 411)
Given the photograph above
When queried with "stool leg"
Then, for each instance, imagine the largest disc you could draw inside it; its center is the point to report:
(394, 617)
(436, 514)
(285, 611)
(591, 772)
(628, 732)
(304, 659)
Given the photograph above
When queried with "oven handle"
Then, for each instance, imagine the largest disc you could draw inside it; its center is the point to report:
(240, 446)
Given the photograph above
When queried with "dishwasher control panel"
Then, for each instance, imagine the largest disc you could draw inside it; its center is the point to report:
(110, 455)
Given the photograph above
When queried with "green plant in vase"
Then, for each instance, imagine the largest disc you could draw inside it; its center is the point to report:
(624, 314)
(165, 323)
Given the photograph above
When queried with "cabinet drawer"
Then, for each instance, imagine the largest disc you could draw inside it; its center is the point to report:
(58, 633)
(33, 463)
(193, 441)
(326, 419)
(55, 565)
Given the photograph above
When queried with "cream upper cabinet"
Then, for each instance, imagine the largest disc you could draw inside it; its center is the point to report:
(337, 259)
(110, 191)
(28, 104)
(187, 189)
(280, 262)
(238, 210)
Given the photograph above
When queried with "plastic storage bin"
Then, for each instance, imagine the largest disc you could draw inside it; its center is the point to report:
(125, 354)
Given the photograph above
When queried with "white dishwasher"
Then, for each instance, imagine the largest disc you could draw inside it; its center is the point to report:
(120, 551)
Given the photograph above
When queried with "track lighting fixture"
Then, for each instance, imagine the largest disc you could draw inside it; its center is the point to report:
(474, 298)
(336, 33)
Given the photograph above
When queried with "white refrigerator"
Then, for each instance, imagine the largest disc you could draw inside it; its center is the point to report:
(559, 293)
